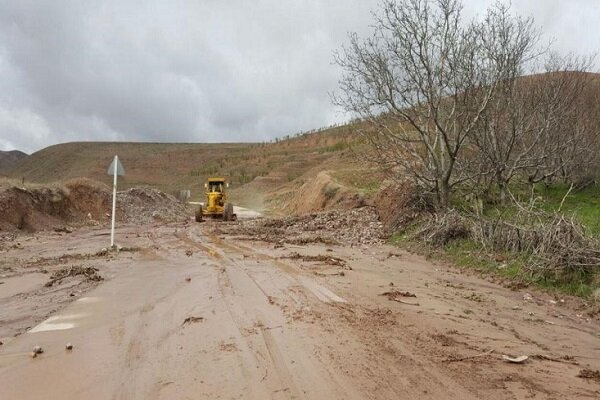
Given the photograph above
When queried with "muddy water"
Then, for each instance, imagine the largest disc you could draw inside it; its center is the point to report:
(199, 315)
(21, 284)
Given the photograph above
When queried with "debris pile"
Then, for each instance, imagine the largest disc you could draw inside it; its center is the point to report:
(359, 226)
(89, 274)
(329, 260)
(82, 202)
(589, 374)
(142, 205)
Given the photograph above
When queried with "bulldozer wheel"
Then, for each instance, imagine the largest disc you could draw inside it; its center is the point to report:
(198, 216)
(228, 212)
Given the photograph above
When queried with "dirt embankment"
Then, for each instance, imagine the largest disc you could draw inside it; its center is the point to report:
(323, 193)
(82, 202)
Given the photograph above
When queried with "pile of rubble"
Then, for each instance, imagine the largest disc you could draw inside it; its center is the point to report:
(82, 202)
(143, 205)
(359, 226)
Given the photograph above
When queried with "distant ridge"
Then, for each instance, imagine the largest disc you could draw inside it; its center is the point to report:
(9, 158)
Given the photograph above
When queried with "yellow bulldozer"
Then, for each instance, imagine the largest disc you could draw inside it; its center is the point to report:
(216, 205)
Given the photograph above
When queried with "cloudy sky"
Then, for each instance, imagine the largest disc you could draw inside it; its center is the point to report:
(199, 71)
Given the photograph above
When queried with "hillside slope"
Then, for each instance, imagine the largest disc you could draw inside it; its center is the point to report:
(9, 158)
(259, 172)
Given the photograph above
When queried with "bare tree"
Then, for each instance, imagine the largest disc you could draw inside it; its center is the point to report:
(425, 80)
(532, 127)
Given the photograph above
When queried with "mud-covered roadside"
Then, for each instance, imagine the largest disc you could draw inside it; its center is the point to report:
(292, 308)
(42, 273)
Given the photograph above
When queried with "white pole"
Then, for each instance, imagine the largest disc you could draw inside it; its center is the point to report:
(114, 205)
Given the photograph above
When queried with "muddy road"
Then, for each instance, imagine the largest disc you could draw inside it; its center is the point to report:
(207, 311)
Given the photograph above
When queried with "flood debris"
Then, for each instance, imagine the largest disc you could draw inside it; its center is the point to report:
(338, 273)
(359, 226)
(392, 294)
(457, 359)
(192, 320)
(563, 359)
(395, 295)
(89, 274)
(336, 261)
(589, 374)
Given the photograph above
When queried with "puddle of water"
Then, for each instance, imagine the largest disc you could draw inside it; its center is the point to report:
(58, 323)
(322, 293)
(89, 300)
(21, 284)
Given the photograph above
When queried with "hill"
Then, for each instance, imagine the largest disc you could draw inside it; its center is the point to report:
(259, 172)
(9, 158)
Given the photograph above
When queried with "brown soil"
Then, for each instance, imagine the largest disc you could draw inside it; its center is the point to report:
(233, 318)
(82, 202)
(322, 192)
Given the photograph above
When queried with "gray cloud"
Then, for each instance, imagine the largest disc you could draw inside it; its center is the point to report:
(193, 71)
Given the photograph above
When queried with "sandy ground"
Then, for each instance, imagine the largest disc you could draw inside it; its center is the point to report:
(189, 312)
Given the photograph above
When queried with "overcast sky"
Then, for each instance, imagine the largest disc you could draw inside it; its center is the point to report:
(198, 71)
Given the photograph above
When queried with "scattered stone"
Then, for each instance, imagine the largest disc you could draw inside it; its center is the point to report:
(527, 297)
(36, 350)
(189, 253)
(188, 279)
(69, 346)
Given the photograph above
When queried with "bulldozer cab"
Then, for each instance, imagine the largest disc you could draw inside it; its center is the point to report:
(215, 185)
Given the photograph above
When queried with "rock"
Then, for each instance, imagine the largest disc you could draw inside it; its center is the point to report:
(188, 279)
(527, 297)
(36, 350)
(69, 346)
